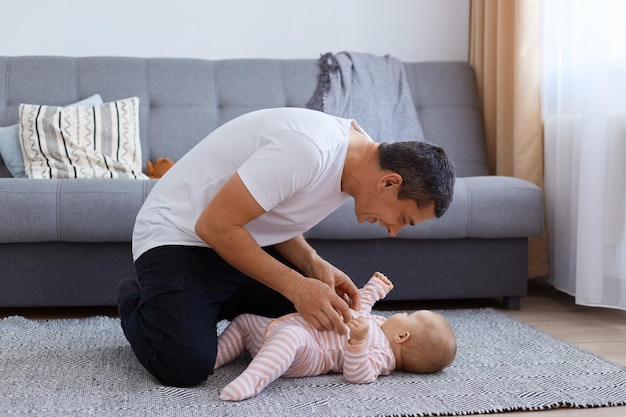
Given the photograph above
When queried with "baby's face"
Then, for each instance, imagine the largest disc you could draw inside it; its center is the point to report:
(413, 322)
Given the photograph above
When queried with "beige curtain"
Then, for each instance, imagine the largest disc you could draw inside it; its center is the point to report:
(505, 53)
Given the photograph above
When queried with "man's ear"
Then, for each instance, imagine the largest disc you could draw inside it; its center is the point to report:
(390, 180)
(402, 337)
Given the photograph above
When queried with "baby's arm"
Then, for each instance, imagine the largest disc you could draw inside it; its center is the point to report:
(359, 329)
(363, 363)
(376, 289)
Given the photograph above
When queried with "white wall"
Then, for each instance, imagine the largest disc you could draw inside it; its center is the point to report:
(412, 30)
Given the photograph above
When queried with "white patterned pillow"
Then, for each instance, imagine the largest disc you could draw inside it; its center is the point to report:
(82, 142)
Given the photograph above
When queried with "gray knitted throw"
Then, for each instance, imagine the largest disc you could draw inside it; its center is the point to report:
(86, 367)
(371, 89)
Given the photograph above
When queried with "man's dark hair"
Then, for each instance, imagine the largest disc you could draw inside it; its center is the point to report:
(427, 172)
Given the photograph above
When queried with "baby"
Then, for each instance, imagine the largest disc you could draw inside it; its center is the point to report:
(420, 342)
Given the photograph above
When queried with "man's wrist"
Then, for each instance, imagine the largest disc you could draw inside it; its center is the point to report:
(299, 253)
(292, 286)
(310, 259)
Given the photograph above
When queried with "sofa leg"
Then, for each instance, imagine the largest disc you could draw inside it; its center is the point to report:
(511, 303)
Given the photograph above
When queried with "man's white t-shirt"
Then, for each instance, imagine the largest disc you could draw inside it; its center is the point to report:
(290, 159)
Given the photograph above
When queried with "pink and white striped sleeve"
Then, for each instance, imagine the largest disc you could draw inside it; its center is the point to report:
(363, 363)
(375, 289)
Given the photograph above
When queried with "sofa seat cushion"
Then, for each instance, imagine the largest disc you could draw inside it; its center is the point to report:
(101, 210)
(482, 207)
(76, 210)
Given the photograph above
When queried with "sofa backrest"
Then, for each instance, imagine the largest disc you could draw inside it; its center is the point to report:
(183, 100)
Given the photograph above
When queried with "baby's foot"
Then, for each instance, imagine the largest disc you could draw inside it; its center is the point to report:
(238, 390)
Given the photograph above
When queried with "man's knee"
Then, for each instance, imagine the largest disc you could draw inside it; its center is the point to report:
(182, 367)
(178, 353)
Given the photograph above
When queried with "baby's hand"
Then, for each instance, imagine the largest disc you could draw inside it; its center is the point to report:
(359, 329)
(384, 279)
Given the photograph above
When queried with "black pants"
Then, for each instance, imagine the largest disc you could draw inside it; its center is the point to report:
(170, 318)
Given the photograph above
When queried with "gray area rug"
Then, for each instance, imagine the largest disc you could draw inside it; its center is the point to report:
(85, 367)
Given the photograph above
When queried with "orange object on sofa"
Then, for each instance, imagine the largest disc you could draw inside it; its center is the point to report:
(159, 167)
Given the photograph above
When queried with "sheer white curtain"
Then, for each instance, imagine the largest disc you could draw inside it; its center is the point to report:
(584, 111)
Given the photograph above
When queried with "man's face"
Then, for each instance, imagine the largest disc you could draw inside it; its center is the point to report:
(392, 213)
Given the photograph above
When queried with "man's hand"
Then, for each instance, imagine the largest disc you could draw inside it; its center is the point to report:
(342, 293)
(359, 329)
(320, 305)
(337, 279)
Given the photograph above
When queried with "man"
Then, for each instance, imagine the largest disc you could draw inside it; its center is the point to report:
(221, 233)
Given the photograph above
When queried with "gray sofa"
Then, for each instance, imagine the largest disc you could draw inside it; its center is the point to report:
(67, 242)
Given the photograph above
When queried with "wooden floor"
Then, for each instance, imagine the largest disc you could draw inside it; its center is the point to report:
(601, 331)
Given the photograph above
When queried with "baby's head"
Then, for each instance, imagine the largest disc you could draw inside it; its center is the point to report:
(422, 342)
